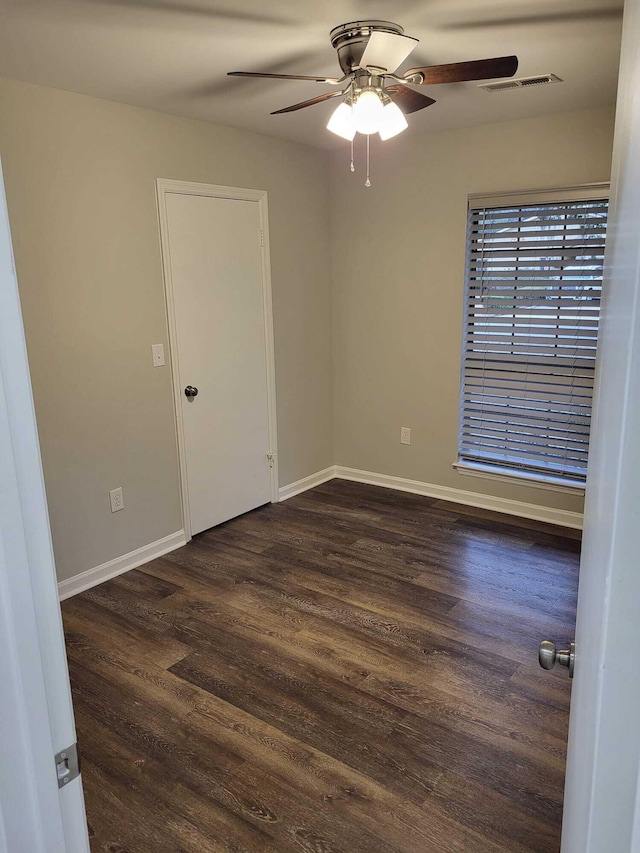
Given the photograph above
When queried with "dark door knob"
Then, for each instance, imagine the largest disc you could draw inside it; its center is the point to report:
(190, 392)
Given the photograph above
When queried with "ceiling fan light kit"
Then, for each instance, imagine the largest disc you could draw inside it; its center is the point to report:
(367, 110)
(393, 121)
(341, 122)
(375, 98)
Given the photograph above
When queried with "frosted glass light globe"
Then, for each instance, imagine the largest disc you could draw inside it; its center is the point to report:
(341, 122)
(393, 121)
(367, 112)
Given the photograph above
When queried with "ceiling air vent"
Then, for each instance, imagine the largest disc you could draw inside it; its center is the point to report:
(521, 83)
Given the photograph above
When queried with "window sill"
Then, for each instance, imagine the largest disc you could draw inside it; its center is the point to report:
(536, 481)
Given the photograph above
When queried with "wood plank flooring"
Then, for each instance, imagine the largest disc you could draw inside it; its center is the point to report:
(352, 671)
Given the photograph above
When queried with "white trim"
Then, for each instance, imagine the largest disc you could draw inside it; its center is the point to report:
(306, 483)
(523, 510)
(166, 187)
(517, 478)
(603, 755)
(582, 192)
(99, 574)
(562, 517)
(73, 815)
(263, 211)
(113, 568)
(37, 713)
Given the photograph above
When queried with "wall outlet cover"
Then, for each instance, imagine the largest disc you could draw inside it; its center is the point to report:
(117, 499)
(405, 435)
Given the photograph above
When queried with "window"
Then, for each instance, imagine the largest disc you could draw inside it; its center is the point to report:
(532, 305)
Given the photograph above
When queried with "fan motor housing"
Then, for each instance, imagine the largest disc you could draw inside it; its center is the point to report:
(350, 40)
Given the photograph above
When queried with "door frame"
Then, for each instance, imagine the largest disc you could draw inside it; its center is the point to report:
(165, 187)
(602, 790)
(37, 710)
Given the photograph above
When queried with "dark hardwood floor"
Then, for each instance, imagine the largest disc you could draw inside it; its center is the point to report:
(352, 671)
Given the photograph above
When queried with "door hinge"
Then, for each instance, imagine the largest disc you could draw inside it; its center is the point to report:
(261, 238)
(271, 457)
(68, 765)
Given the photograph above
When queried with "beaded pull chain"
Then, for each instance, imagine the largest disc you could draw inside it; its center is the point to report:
(367, 183)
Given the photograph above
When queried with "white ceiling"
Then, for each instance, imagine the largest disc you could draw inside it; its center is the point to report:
(173, 55)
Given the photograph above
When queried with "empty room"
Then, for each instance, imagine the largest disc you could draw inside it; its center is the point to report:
(318, 340)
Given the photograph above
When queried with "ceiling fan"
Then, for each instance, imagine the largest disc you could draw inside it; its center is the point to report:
(375, 98)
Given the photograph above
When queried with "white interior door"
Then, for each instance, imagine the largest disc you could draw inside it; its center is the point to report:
(36, 715)
(214, 248)
(602, 796)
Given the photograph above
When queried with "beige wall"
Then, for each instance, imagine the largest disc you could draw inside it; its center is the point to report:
(80, 174)
(398, 276)
(80, 178)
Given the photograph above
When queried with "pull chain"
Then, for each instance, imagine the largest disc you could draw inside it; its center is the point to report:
(367, 183)
(353, 168)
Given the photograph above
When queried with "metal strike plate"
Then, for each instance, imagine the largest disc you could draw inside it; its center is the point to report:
(67, 765)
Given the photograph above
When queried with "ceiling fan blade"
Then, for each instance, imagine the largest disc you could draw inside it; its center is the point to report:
(387, 50)
(460, 72)
(408, 99)
(317, 100)
(282, 76)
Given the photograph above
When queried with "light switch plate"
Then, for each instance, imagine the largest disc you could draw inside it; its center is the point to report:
(157, 353)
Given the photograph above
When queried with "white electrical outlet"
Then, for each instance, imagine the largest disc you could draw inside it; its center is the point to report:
(117, 499)
(157, 354)
(405, 435)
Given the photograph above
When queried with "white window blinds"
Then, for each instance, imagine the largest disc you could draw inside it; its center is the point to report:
(533, 285)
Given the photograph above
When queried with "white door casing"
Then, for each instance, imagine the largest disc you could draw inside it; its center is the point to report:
(601, 795)
(36, 715)
(217, 281)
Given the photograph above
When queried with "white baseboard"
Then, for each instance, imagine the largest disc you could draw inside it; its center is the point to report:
(562, 517)
(460, 496)
(92, 577)
(286, 492)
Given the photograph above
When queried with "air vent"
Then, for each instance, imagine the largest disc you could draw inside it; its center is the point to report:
(521, 83)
